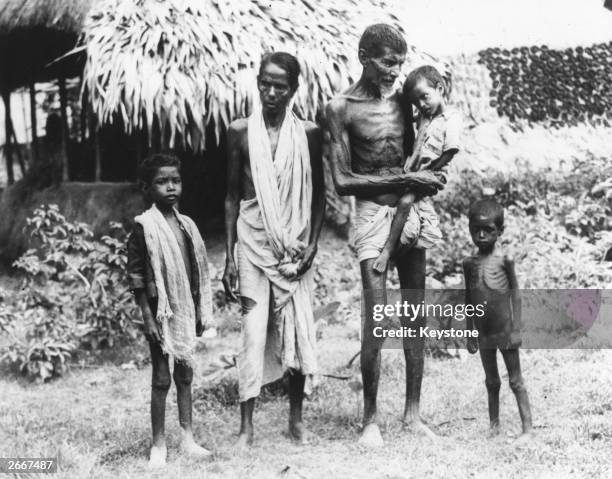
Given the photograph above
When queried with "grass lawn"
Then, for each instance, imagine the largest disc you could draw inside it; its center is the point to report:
(96, 421)
(96, 418)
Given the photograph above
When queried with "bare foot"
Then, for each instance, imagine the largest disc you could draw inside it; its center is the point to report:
(371, 437)
(494, 431)
(158, 456)
(417, 426)
(190, 448)
(381, 263)
(524, 439)
(299, 434)
(245, 441)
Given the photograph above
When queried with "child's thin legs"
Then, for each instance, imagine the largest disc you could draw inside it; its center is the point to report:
(183, 376)
(397, 225)
(160, 384)
(513, 364)
(493, 383)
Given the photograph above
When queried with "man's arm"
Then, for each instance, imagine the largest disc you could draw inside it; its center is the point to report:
(232, 204)
(349, 183)
(315, 142)
(409, 135)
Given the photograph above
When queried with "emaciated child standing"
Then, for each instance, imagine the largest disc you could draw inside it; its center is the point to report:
(490, 279)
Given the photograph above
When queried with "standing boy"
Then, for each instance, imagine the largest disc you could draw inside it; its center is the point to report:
(168, 273)
(490, 280)
(415, 222)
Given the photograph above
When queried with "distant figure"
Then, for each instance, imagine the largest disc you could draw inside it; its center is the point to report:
(274, 212)
(490, 279)
(416, 223)
(168, 273)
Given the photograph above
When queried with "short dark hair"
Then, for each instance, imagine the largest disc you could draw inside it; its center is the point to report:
(149, 166)
(380, 35)
(287, 62)
(425, 72)
(489, 208)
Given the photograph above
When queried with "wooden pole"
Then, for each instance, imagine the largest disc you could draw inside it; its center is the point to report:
(84, 114)
(8, 153)
(138, 135)
(64, 116)
(34, 123)
(94, 134)
(17, 150)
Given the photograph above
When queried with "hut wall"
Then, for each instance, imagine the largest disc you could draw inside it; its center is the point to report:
(93, 203)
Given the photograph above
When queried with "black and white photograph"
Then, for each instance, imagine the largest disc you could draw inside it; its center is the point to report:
(303, 239)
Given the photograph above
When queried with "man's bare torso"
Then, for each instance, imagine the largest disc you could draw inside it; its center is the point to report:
(376, 129)
(247, 189)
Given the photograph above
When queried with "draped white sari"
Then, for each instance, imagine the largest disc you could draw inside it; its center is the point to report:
(273, 229)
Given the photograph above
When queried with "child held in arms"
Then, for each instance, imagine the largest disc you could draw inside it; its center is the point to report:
(168, 272)
(490, 279)
(415, 223)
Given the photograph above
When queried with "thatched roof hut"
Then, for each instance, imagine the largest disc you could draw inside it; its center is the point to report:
(188, 64)
(34, 33)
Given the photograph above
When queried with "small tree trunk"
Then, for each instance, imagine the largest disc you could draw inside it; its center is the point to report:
(8, 150)
(94, 134)
(34, 122)
(64, 115)
(84, 114)
(17, 150)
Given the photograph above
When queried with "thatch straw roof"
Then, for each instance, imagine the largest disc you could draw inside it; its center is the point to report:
(191, 63)
(61, 15)
(33, 33)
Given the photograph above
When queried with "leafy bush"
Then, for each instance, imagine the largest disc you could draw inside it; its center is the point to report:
(5, 318)
(588, 218)
(554, 227)
(42, 348)
(75, 294)
(552, 191)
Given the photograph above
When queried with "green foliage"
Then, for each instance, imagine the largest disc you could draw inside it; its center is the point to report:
(5, 318)
(589, 218)
(554, 227)
(45, 345)
(74, 295)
